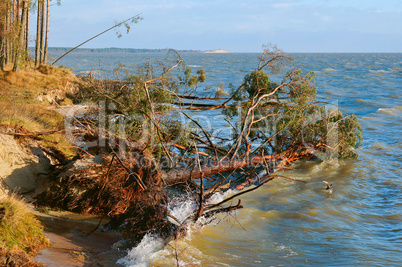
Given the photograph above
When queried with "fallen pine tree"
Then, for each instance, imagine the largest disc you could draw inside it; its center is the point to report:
(147, 152)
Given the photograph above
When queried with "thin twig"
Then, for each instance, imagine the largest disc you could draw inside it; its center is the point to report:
(117, 25)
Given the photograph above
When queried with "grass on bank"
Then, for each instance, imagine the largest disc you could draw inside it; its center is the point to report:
(19, 104)
(21, 233)
(27, 83)
(18, 92)
(19, 228)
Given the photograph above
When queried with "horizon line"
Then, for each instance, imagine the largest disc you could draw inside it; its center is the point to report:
(236, 52)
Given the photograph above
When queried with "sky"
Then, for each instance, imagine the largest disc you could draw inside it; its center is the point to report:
(234, 25)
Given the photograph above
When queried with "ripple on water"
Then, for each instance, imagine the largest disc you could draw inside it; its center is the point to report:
(395, 111)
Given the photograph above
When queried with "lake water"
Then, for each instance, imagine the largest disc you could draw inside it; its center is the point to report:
(288, 223)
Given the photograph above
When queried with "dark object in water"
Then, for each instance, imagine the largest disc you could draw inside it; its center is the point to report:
(329, 186)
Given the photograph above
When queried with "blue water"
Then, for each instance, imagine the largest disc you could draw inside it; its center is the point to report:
(359, 224)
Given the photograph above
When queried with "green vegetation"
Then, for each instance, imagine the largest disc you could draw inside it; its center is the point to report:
(19, 228)
(14, 32)
(141, 101)
(284, 117)
(270, 117)
(220, 91)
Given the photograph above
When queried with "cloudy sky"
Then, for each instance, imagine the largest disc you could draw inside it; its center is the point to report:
(234, 25)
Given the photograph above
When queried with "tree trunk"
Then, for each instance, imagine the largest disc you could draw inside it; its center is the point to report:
(3, 27)
(194, 172)
(46, 33)
(24, 44)
(26, 36)
(8, 33)
(38, 35)
(13, 32)
(2, 50)
(42, 25)
(19, 45)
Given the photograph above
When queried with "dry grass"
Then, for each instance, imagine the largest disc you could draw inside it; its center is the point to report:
(34, 117)
(19, 228)
(18, 105)
(16, 257)
(18, 91)
(32, 81)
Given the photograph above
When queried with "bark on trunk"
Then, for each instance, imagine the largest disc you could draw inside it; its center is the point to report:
(26, 30)
(38, 36)
(46, 33)
(42, 25)
(3, 22)
(19, 45)
(194, 172)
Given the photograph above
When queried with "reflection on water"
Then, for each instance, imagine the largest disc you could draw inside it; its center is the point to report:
(291, 223)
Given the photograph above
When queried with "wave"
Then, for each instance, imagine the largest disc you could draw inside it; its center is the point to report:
(153, 249)
(329, 69)
(144, 253)
(181, 208)
(378, 71)
(379, 146)
(289, 252)
(395, 111)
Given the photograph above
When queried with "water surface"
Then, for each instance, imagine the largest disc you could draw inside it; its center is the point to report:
(289, 223)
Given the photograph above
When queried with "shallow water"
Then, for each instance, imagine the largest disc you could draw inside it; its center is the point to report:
(292, 223)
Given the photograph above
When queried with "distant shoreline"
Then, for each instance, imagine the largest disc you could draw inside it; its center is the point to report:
(114, 50)
(165, 50)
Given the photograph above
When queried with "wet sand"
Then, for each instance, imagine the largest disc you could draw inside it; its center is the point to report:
(75, 243)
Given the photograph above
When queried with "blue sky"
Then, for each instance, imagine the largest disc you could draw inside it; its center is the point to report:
(234, 25)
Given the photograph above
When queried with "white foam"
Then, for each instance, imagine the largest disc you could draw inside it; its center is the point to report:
(144, 253)
(395, 111)
(152, 249)
(378, 71)
(329, 69)
(330, 165)
(218, 197)
(181, 209)
(289, 252)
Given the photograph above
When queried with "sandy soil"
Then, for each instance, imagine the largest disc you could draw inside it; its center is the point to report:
(75, 243)
(21, 167)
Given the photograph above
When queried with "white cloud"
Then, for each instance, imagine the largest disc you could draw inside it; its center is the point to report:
(323, 17)
(282, 5)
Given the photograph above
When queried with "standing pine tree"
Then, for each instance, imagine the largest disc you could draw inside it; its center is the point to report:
(39, 32)
(44, 59)
(14, 20)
